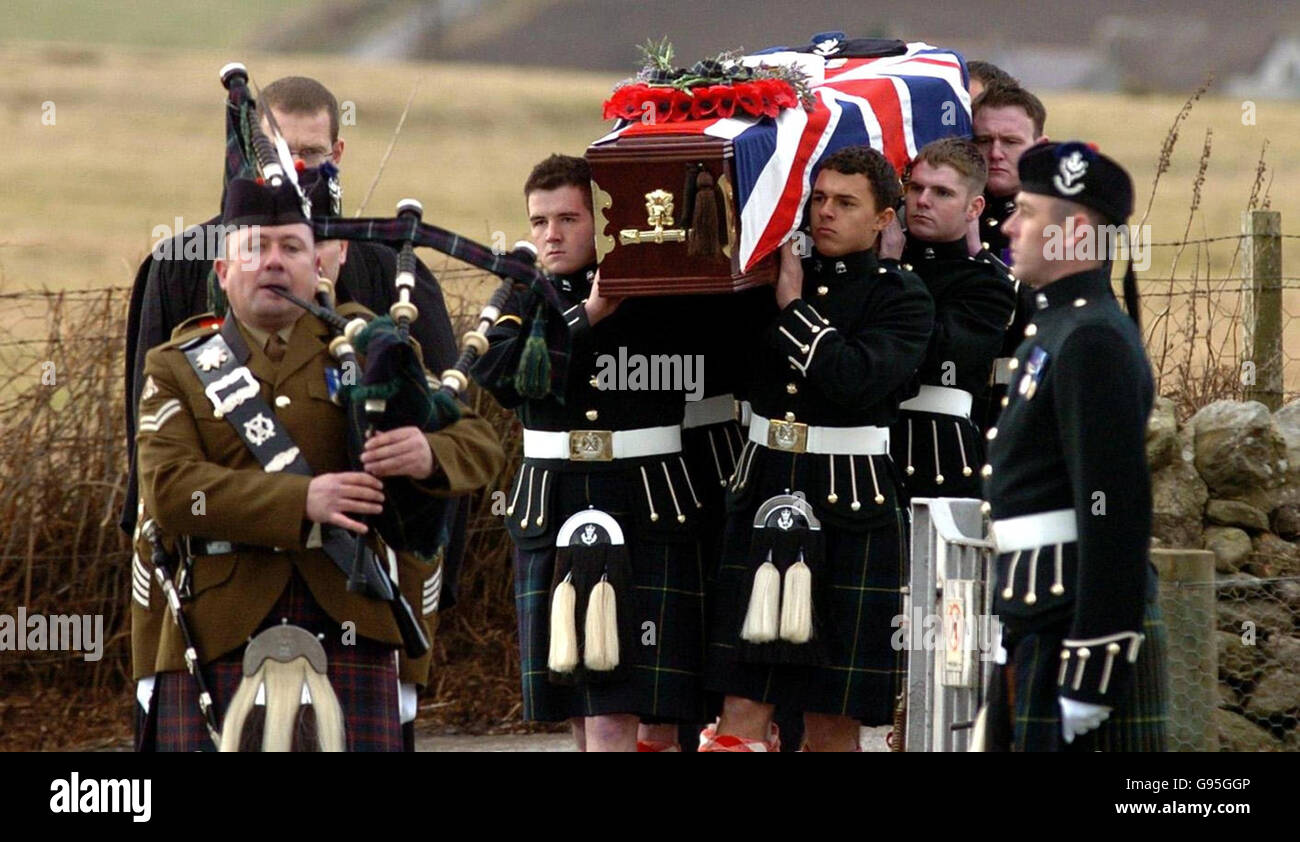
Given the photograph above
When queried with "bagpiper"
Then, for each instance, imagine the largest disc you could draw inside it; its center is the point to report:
(244, 463)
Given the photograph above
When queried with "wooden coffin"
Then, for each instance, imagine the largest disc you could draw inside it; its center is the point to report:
(651, 236)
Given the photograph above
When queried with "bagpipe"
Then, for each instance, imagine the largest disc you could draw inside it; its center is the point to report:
(393, 390)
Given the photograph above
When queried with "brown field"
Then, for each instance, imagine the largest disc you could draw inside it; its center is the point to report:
(138, 141)
(139, 134)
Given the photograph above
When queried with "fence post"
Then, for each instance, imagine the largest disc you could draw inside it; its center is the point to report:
(1188, 606)
(1263, 232)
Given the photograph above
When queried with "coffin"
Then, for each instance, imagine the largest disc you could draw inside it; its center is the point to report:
(651, 236)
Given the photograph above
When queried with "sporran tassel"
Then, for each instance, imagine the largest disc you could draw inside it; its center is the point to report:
(601, 638)
(762, 620)
(796, 603)
(564, 628)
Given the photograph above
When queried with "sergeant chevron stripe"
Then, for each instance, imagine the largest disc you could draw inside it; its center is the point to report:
(151, 422)
(139, 581)
(432, 592)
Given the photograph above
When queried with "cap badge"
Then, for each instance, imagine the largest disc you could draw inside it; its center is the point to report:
(1068, 179)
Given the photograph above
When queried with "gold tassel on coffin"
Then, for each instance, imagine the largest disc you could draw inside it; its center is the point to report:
(705, 238)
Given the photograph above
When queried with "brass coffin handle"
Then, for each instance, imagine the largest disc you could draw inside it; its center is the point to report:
(659, 215)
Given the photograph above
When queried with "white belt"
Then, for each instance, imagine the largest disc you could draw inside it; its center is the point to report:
(1002, 371)
(714, 410)
(795, 437)
(1038, 530)
(941, 399)
(602, 445)
(746, 413)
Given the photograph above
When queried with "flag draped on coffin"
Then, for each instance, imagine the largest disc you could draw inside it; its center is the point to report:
(896, 104)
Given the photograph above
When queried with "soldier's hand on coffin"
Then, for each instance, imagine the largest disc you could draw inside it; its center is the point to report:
(789, 279)
(403, 452)
(330, 496)
(892, 240)
(599, 306)
(1078, 718)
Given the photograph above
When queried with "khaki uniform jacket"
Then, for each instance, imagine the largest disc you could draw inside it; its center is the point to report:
(198, 478)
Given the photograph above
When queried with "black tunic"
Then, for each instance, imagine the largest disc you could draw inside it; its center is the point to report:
(973, 302)
(579, 400)
(996, 211)
(843, 355)
(1073, 437)
(1015, 331)
(877, 319)
(654, 499)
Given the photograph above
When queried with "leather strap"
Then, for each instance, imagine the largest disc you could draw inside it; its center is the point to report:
(236, 396)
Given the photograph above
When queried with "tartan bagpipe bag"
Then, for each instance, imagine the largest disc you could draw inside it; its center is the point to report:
(413, 519)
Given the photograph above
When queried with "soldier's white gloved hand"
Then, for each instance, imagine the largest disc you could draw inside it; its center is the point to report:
(1078, 718)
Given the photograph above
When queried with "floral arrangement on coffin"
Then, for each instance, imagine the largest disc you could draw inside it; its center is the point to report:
(711, 88)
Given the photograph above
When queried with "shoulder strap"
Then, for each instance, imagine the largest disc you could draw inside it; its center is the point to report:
(236, 396)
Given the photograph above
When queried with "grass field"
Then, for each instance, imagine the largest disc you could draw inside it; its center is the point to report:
(138, 136)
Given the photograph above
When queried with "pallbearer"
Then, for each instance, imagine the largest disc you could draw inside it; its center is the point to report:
(603, 511)
(1067, 480)
(814, 549)
(1007, 120)
(935, 442)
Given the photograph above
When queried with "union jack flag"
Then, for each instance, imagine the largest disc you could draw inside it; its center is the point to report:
(896, 104)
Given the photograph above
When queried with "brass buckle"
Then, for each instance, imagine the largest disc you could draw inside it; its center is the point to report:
(791, 436)
(591, 445)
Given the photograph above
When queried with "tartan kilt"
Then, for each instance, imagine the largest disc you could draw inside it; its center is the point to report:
(1137, 722)
(863, 673)
(711, 452)
(912, 443)
(663, 682)
(363, 676)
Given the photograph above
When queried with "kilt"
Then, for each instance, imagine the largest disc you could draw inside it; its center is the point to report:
(711, 452)
(863, 673)
(912, 443)
(363, 675)
(664, 678)
(1137, 721)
